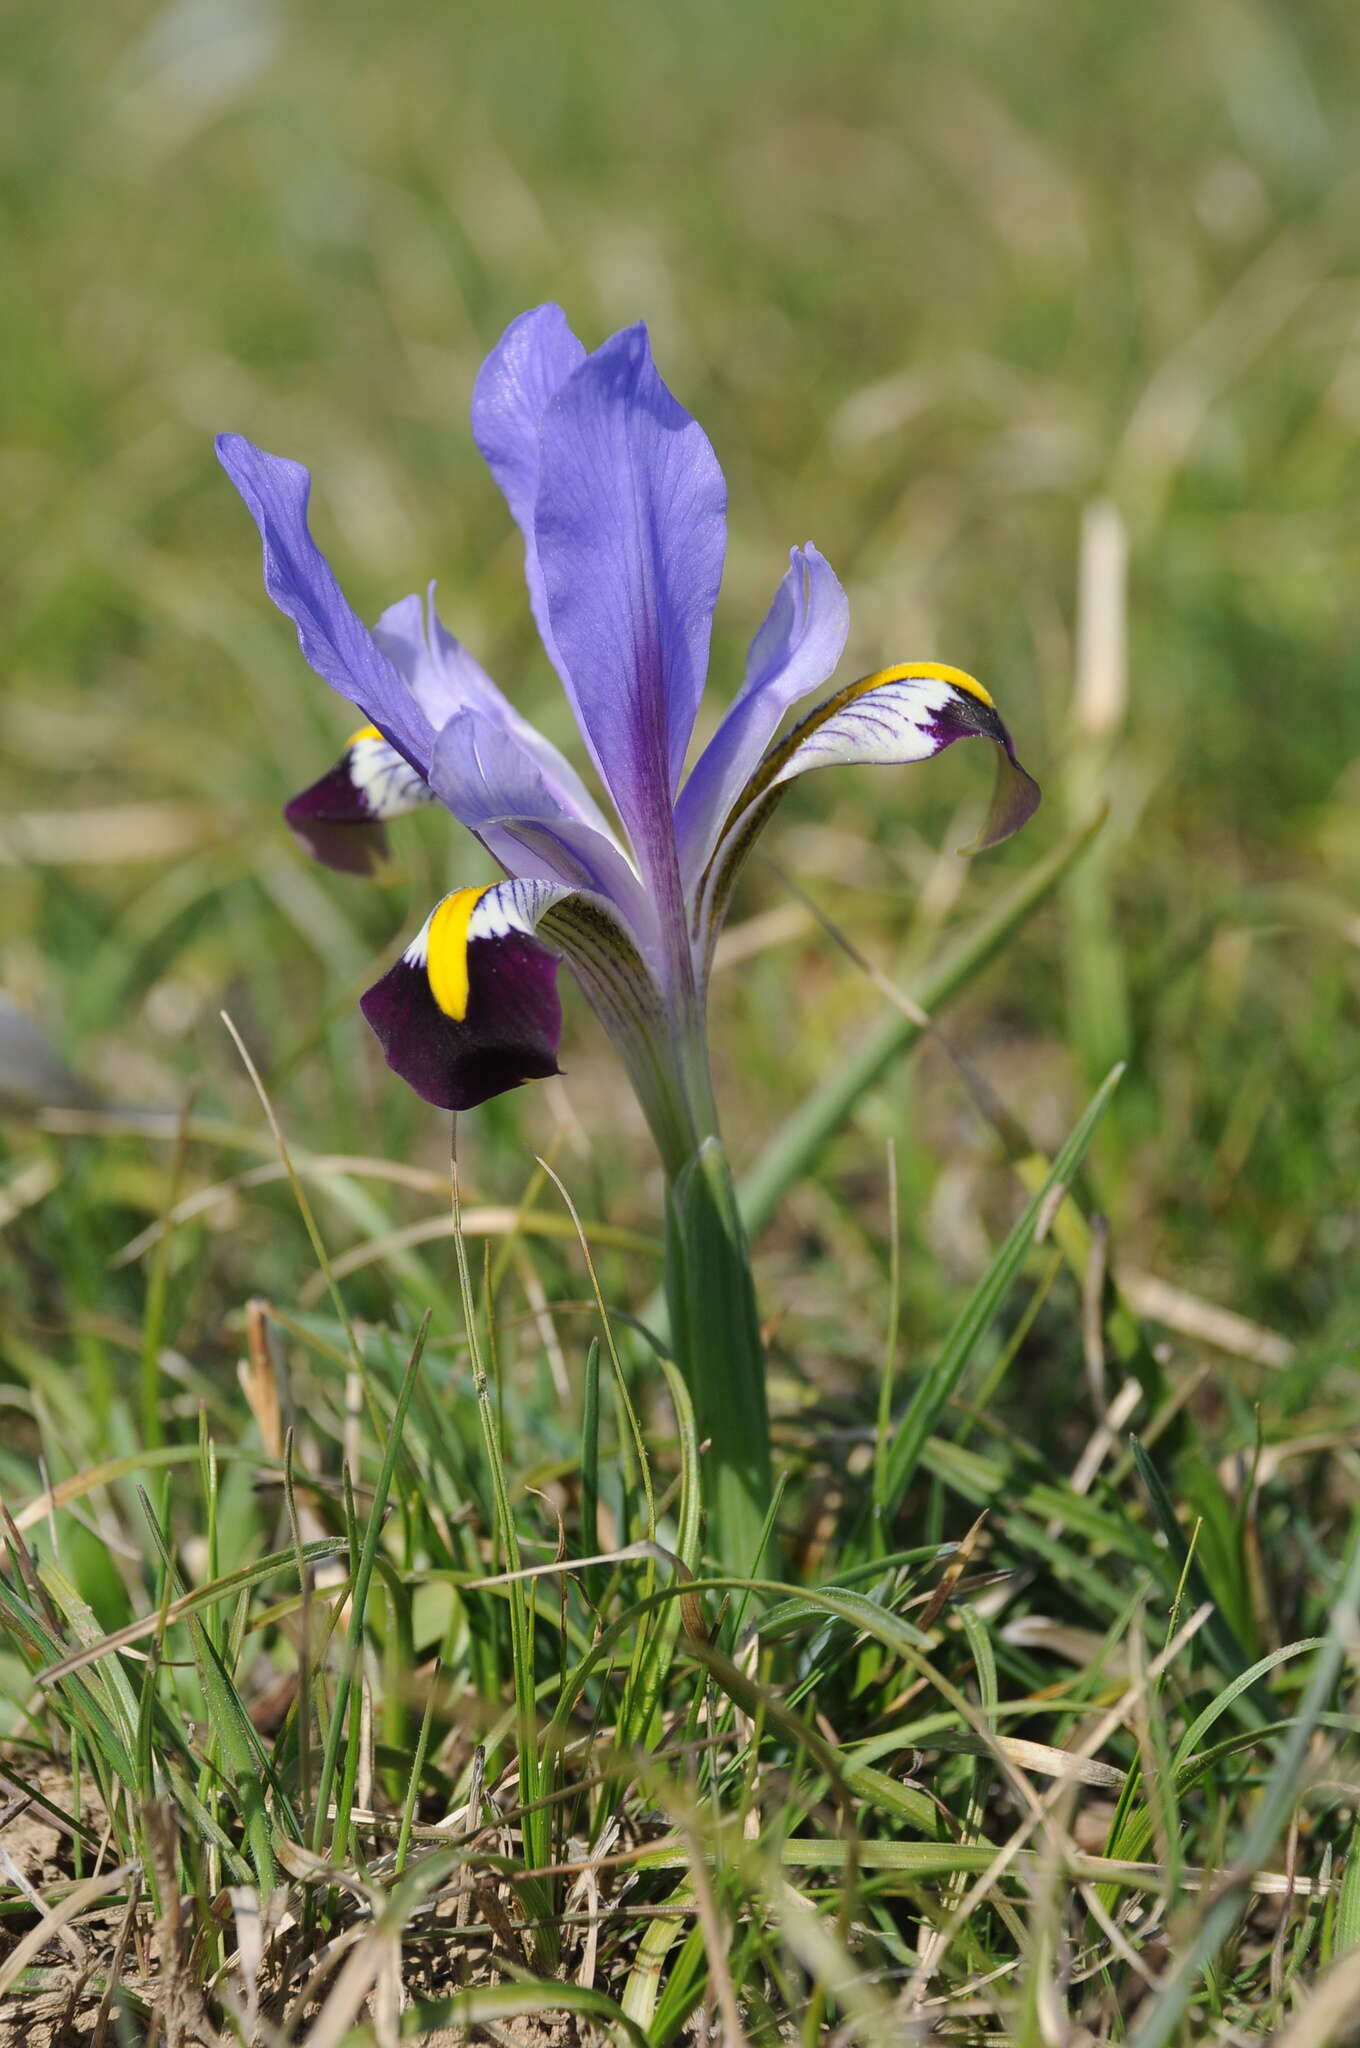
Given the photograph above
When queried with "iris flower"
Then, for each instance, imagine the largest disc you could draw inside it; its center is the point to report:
(622, 507)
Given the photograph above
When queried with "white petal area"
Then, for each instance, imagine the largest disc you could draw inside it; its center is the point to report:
(388, 785)
(887, 725)
(900, 715)
(584, 927)
(505, 907)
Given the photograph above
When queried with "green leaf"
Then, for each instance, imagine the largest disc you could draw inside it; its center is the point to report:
(939, 1382)
(363, 1580)
(794, 1148)
(715, 1336)
(1228, 1652)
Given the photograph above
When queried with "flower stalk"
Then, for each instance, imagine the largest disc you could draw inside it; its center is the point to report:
(715, 1335)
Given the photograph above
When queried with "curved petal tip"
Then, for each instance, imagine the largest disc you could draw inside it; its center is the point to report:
(1016, 796)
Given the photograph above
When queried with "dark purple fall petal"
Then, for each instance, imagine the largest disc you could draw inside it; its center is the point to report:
(1015, 795)
(335, 826)
(510, 1034)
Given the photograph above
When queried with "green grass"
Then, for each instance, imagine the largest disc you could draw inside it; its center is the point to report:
(295, 1619)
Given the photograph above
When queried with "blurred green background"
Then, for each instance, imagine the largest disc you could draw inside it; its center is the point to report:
(937, 280)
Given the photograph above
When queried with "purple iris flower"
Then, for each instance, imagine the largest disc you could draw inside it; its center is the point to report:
(622, 507)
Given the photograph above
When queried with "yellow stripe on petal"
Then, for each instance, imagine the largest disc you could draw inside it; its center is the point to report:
(446, 956)
(365, 732)
(934, 671)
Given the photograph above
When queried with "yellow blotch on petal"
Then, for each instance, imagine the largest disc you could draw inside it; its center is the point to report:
(936, 671)
(446, 959)
(365, 732)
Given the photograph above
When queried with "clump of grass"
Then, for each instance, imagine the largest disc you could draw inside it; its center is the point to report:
(391, 1699)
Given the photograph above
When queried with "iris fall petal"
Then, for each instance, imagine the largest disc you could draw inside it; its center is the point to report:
(471, 1008)
(907, 713)
(340, 818)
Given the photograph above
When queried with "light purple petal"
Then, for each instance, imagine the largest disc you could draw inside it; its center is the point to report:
(299, 579)
(529, 364)
(498, 789)
(795, 651)
(445, 680)
(631, 530)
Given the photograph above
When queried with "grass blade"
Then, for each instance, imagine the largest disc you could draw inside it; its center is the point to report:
(791, 1152)
(1253, 1702)
(363, 1580)
(939, 1382)
(1281, 1791)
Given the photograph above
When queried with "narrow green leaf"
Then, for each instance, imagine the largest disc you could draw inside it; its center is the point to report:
(243, 1758)
(80, 1704)
(593, 1577)
(1194, 1956)
(1252, 1704)
(492, 2002)
(792, 1150)
(363, 1580)
(641, 1991)
(939, 1382)
(715, 1338)
(1347, 1934)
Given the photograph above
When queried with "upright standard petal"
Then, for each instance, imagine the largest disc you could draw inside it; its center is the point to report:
(299, 579)
(794, 653)
(907, 713)
(631, 530)
(528, 366)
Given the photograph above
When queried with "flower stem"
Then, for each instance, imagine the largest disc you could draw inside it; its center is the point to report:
(715, 1334)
